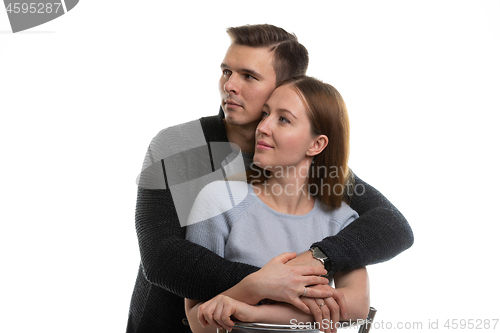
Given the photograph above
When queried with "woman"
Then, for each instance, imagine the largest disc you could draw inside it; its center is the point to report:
(292, 200)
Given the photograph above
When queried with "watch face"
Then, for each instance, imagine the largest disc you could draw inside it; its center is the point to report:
(317, 253)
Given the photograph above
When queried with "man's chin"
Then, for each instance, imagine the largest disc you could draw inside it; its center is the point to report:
(237, 121)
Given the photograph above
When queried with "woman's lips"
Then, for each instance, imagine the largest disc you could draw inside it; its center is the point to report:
(262, 145)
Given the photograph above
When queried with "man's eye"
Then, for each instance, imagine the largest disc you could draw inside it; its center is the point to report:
(226, 72)
(284, 120)
(248, 76)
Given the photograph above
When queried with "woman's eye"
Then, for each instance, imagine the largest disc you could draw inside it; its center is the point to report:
(284, 120)
(264, 114)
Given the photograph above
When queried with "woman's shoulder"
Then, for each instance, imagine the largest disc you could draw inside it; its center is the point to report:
(237, 190)
(342, 215)
(216, 198)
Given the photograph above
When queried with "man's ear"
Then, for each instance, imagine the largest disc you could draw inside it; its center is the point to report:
(318, 145)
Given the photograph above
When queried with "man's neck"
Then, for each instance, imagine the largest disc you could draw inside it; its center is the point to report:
(243, 136)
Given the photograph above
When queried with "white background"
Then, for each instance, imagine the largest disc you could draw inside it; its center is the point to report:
(82, 96)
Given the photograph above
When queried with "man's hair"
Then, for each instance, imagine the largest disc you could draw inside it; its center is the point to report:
(290, 57)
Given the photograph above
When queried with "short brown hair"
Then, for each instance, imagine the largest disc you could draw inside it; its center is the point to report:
(328, 115)
(290, 57)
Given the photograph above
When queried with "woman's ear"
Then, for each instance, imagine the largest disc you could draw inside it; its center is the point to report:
(318, 145)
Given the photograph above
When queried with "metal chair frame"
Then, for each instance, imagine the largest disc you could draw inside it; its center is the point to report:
(363, 328)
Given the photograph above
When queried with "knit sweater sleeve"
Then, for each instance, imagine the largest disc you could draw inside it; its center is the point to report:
(178, 156)
(380, 233)
(172, 262)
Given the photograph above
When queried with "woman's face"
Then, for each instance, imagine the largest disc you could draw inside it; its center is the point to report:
(283, 137)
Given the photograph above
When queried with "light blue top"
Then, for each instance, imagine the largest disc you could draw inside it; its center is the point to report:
(239, 226)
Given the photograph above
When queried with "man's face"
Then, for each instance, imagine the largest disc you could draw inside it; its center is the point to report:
(247, 81)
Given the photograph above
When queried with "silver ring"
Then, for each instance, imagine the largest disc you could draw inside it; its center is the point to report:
(305, 290)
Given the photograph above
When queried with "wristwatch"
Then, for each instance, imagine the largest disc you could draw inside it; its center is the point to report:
(319, 255)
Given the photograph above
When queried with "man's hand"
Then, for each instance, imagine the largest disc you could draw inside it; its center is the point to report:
(327, 310)
(305, 259)
(286, 283)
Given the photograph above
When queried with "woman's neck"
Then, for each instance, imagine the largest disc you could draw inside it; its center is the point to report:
(286, 193)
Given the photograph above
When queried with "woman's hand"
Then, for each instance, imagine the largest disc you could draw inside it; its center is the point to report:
(327, 311)
(217, 312)
(286, 283)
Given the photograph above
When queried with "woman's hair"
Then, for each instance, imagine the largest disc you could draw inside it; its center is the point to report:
(290, 57)
(329, 175)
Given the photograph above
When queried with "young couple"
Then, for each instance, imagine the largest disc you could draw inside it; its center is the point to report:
(301, 124)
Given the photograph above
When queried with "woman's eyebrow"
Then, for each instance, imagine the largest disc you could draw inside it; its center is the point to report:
(290, 112)
(266, 106)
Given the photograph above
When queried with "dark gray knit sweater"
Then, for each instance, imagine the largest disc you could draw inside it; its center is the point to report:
(172, 268)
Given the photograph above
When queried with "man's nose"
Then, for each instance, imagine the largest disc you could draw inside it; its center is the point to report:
(232, 85)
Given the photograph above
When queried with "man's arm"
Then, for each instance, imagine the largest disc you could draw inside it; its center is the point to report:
(380, 233)
(192, 271)
(170, 261)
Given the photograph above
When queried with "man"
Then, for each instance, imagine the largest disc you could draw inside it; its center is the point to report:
(176, 168)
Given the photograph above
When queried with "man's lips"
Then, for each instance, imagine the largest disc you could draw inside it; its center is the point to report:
(232, 104)
(262, 145)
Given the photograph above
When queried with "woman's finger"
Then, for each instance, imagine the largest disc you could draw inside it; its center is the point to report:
(309, 270)
(203, 310)
(226, 314)
(201, 317)
(217, 313)
(299, 304)
(320, 291)
(334, 310)
(208, 312)
(313, 308)
(325, 314)
(340, 299)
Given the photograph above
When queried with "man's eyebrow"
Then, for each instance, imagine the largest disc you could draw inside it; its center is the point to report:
(251, 72)
(244, 70)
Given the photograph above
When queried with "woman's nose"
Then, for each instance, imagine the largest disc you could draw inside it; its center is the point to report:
(263, 126)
